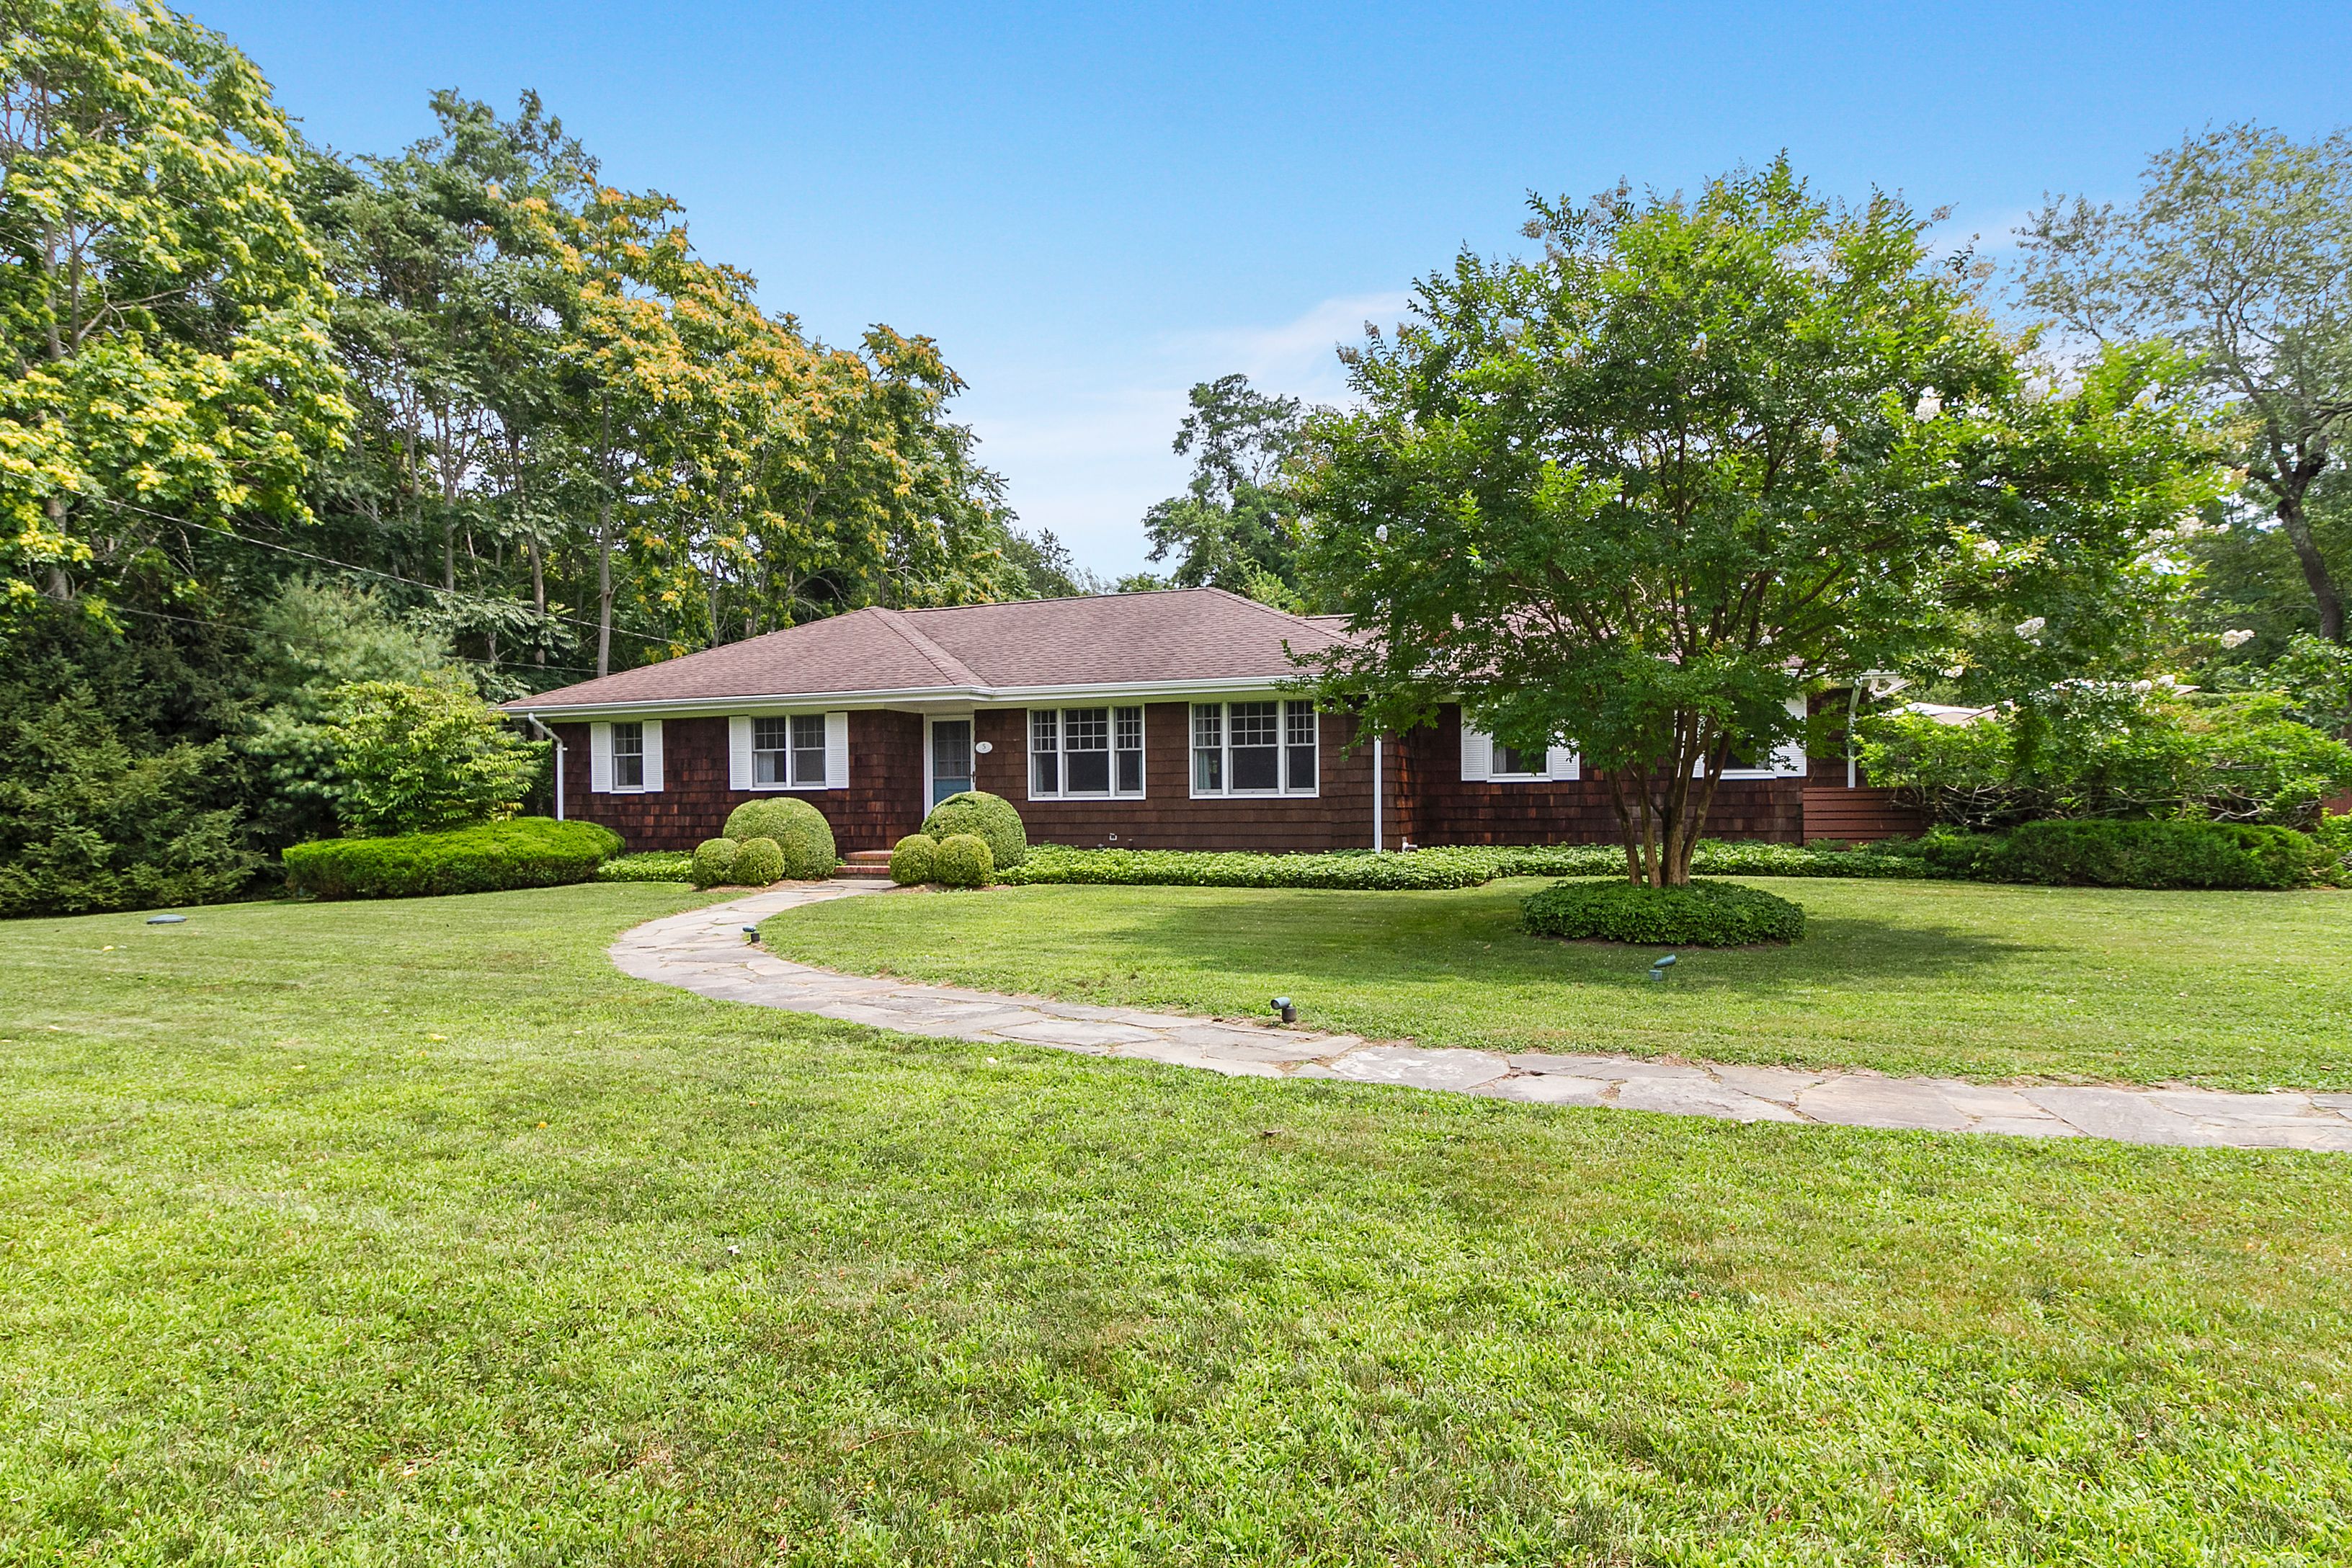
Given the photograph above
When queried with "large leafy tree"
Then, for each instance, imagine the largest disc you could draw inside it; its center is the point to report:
(162, 308)
(1236, 525)
(2239, 248)
(1640, 494)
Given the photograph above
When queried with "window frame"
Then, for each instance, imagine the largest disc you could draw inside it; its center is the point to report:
(1051, 726)
(636, 755)
(1222, 750)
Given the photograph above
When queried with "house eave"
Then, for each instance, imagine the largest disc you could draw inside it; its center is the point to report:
(919, 697)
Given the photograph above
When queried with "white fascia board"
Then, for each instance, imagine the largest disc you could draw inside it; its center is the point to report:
(956, 698)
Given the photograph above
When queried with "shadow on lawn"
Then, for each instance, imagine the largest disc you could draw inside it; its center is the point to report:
(1354, 936)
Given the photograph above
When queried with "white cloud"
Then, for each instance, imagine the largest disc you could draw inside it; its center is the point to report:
(1087, 453)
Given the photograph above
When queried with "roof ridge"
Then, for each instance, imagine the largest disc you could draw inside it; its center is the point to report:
(1253, 603)
(946, 663)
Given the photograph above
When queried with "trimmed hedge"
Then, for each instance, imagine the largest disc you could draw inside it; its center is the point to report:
(2098, 853)
(757, 862)
(962, 860)
(523, 852)
(1702, 914)
(650, 865)
(987, 816)
(801, 834)
(913, 860)
(714, 862)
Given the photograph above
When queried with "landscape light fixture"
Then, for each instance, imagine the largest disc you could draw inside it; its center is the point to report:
(1658, 970)
(1283, 1009)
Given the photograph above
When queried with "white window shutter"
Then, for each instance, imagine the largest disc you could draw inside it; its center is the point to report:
(600, 759)
(738, 753)
(1562, 763)
(1477, 755)
(653, 754)
(836, 751)
(1789, 757)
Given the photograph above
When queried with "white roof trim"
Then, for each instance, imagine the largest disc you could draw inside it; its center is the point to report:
(923, 696)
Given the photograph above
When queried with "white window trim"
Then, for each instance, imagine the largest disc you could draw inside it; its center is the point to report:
(1062, 754)
(1561, 763)
(1225, 750)
(741, 764)
(600, 759)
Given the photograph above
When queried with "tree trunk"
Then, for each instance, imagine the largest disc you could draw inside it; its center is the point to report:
(2297, 528)
(604, 542)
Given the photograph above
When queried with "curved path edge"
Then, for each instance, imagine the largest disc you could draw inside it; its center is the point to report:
(708, 952)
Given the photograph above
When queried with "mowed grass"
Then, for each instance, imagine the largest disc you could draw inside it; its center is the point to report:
(2232, 990)
(413, 1233)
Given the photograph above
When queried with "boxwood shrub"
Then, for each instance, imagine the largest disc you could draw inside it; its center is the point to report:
(913, 860)
(714, 862)
(985, 816)
(1702, 914)
(523, 852)
(799, 830)
(650, 866)
(757, 862)
(963, 861)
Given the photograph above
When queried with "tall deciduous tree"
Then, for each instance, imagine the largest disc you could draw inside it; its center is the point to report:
(1235, 526)
(2239, 248)
(163, 309)
(1641, 495)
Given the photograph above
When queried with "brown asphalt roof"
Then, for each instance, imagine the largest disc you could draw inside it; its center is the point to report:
(1112, 639)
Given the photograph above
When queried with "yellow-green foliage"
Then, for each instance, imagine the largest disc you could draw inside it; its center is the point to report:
(714, 861)
(757, 862)
(801, 833)
(963, 861)
(989, 816)
(913, 860)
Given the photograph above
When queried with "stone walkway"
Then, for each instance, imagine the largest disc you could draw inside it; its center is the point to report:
(708, 952)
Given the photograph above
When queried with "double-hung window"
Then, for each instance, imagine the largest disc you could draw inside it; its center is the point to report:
(628, 756)
(788, 753)
(1079, 753)
(1255, 748)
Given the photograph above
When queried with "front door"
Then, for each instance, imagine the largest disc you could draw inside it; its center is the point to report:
(951, 758)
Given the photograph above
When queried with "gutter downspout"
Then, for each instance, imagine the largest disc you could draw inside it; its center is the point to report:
(552, 735)
(1380, 793)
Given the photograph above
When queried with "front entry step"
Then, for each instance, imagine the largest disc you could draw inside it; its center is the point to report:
(866, 863)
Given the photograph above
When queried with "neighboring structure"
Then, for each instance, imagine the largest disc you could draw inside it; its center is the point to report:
(1152, 721)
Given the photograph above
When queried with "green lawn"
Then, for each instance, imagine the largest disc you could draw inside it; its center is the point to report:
(2235, 990)
(413, 1233)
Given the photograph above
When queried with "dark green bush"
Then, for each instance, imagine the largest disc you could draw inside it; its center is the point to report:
(801, 834)
(523, 852)
(962, 860)
(714, 862)
(1426, 869)
(1702, 914)
(988, 816)
(757, 862)
(914, 859)
(2107, 854)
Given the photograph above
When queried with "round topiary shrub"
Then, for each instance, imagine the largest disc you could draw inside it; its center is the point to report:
(913, 860)
(757, 862)
(963, 861)
(799, 830)
(714, 862)
(1703, 914)
(987, 816)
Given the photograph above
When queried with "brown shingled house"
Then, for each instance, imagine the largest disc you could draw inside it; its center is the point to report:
(1155, 720)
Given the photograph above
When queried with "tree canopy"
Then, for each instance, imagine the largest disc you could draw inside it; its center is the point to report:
(1640, 494)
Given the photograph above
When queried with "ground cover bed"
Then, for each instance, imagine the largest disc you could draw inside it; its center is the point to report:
(2229, 990)
(412, 1232)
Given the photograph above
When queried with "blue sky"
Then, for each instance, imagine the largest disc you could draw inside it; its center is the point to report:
(1091, 208)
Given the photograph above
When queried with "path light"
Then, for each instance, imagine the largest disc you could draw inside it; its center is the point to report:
(751, 933)
(1281, 1005)
(1658, 970)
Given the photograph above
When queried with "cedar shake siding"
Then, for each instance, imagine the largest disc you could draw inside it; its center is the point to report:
(882, 803)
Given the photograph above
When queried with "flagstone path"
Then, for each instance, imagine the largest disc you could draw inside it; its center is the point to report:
(709, 951)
